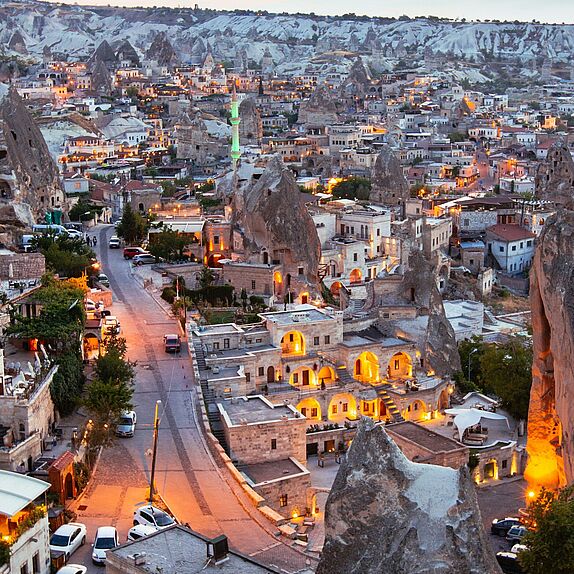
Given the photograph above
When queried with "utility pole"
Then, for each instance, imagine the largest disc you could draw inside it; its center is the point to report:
(154, 455)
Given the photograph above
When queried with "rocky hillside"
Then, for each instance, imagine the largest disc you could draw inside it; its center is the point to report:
(31, 27)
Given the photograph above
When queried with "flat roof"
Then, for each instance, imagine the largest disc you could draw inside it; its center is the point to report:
(178, 550)
(18, 490)
(303, 314)
(254, 409)
(423, 436)
(275, 470)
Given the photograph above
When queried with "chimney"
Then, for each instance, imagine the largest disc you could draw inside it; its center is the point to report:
(217, 549)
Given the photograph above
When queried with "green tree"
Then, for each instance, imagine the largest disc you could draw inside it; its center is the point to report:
(133, 226)
(83, 210)
(206, 277)
(550, 546)
(506, 371)
(68, 382)
(112, 365)
(168, 245)
(352, 188)
(67, 256)
(456, 137)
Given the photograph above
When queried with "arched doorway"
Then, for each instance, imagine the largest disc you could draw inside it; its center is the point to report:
(342, 407)
(443, 400)
(213, 260)
(310, 408)
(491, 470)
(326, 375)
(303, 377)
(265, 258)
(91, 346)
(293, 343)
(356, 276)
(336, 288)
(69, 485)
(366, 368)
(278, 283)
(270, 374)
(415, 411)
(400, 366)
(304, 298)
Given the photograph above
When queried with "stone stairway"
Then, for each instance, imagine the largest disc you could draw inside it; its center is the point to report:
(390, 405)
(345, 377)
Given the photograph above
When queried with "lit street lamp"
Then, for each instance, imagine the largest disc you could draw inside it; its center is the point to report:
(154, 453)
(469, 361)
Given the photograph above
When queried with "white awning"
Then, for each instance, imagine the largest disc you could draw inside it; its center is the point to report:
(18, 490)
(466, 418)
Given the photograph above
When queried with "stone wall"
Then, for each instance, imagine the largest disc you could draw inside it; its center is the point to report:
(17, 457)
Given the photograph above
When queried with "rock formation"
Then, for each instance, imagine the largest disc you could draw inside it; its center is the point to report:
(250, 127)
(161, 51)
(388, 183)
(357, 82)
(550, 443)
(101, 78)
(103, 53)
(29, 181)
(271, 216)
(320, 109)
(17, 43)
(388, 515)
(126, 52)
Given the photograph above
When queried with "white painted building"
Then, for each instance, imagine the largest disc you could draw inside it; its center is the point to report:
(512, 246)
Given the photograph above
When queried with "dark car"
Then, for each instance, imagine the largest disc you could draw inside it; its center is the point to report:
(501, 526)
(508, 562)
(131, 252)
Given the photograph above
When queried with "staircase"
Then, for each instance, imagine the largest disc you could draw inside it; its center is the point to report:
(345, 377)
(209, 398)
(356, 305)
(390, 405)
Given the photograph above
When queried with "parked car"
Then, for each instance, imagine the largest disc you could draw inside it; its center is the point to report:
(127, 424)
(139, 531)
(144, 259)
(106, 539)
(152, 516)
(111, 325)
(131, 252)
(508, 562)
(501, 526)
(172, 343)
(72, 569)
(114, 242)
(103, 280)
(516, 533)
(518, 548)
(68, 538)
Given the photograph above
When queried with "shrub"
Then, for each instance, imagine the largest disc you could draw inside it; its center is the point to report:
(168, 294)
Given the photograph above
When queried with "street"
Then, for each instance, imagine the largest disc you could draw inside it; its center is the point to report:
(193, 486)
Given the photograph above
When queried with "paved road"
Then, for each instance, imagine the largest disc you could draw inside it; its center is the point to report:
(196, 489)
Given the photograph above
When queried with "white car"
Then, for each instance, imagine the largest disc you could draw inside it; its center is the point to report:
(114, 242)
(68, 538)
(127, 424)
(106, 539)
(139, 531)
(152, 516)
(72, 569)
(111, 325)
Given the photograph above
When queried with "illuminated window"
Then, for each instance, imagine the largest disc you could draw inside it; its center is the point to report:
(283, 500)
(334, 409)
(345, 407)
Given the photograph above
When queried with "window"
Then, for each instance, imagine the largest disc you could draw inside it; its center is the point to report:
(504, 463)
(314, 412)
(291, 337)
(471, 261)
(216, 239)
(355, 256)
(24, 568)
(327, 339)
(522, 245)
(378, 232)
(36, 563)
(216, 346)
(247, 377)
(416, 405)
(261, 371)
(283, 500)
(295, 378)
(315, 340)
(253, 284)
(226, 343)
(529, 243)
(258, 340)
(273, 444)
(501, 248)
(300, 270)
(345, 407)
(397, 363)
(514, 248)
(334, 409)
(385, 315)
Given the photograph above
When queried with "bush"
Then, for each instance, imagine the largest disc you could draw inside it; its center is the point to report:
(212, 294)
(168, 294)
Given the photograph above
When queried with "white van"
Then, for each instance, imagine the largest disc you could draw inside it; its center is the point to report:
(46, 229)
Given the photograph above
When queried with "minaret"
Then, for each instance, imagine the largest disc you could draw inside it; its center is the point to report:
(235, 153)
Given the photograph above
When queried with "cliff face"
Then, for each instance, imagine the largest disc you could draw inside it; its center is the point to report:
(387, 514)
(389, 185)
(161, 51)
(550, 443)
(29, 181)
(271, 214)
(250, 127)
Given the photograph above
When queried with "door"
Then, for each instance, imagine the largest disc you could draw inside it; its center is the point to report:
(305, 377)
(270, 374)
(312, 448)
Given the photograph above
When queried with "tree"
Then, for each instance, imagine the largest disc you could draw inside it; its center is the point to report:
(206, 277)
(506, 371)
(168, 245)
(83, 210)
(133, 226)
(68, 382)
(352, 188)
(112, 365)
(244, 298)
(550, 546)
(67, 256)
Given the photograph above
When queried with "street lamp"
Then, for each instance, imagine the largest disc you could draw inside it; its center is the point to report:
(469, 361)
(154, 454)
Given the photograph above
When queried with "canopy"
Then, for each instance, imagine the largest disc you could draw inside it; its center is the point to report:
(465, 418)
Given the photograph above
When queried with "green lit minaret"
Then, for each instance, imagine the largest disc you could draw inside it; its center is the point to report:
(235, 153)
